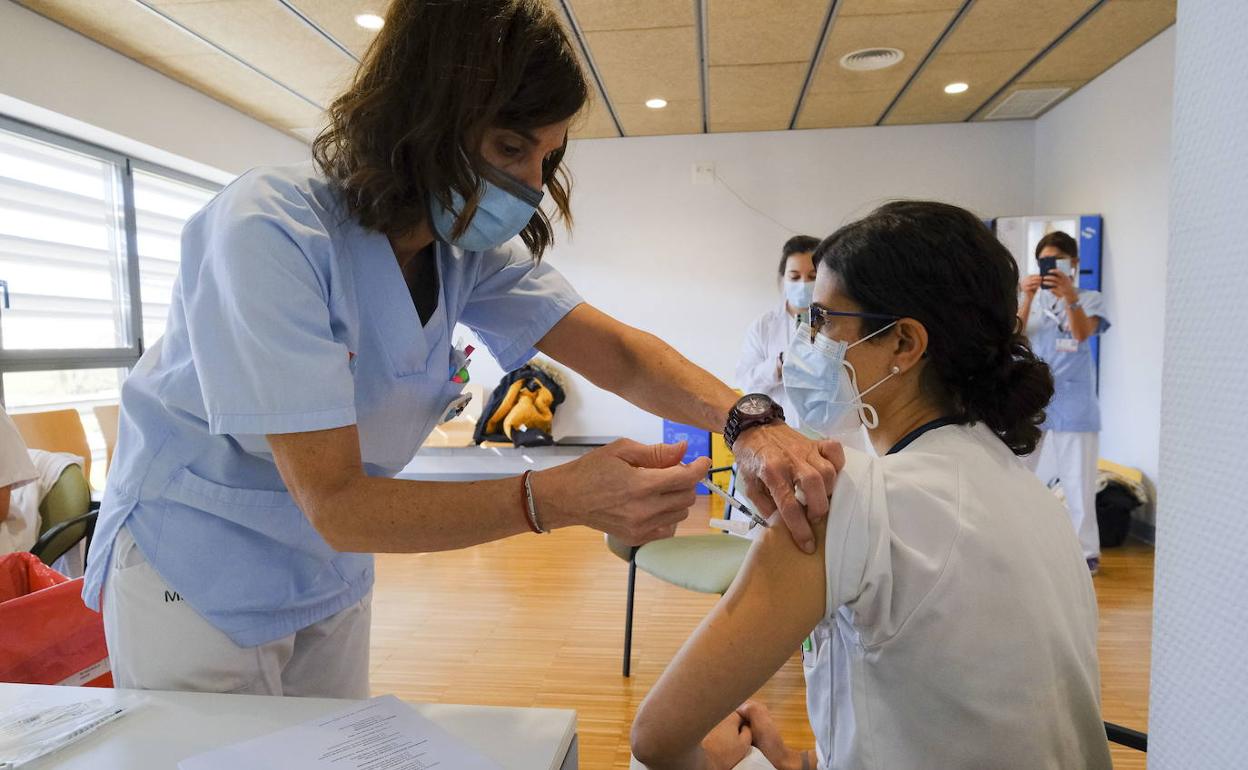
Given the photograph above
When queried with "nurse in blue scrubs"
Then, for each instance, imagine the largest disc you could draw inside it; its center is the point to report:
(308, 354)
(1060, 320)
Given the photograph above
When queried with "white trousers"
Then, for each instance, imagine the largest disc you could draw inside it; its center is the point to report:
(1071, 458)
(157, 642)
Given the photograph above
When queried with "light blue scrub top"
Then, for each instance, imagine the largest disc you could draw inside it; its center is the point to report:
(288, 316)
(1074, 407)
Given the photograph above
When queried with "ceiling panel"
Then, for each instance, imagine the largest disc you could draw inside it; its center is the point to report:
(758, 56)
(992, 42)
(593, 15)
(840, 97)
(640, 64)
(281, 60)
(272, 39)
(133, 30)
(337, 18)
(1114, 31)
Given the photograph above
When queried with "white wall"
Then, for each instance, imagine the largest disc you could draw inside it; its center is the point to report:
(693, 265)
(1199, 670)
(1106, 150)
(54, 77)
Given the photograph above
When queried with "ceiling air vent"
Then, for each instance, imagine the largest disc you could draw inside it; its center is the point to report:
(871, 59)
(1026, 103)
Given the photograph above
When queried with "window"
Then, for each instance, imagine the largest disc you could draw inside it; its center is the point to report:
(89, 250)
(161, 207)
(62, 249)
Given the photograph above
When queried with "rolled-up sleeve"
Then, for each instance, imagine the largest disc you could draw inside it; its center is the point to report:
(1093, 303)
(515, 302)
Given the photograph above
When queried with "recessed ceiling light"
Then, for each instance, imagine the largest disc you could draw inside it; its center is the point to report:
(956, 88)
(370, 21)
(656, 104)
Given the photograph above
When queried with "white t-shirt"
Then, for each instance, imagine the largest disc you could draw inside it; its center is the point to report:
(20, 530)
(962, 623)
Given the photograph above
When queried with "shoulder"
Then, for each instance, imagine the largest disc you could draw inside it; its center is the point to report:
(293, 198)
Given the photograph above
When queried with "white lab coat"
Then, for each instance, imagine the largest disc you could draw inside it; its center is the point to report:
(765, 340)
(20, 528)
(961, 623)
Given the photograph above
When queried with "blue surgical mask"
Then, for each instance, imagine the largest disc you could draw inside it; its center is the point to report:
(799, 293)
(823, 386)
(501, 214)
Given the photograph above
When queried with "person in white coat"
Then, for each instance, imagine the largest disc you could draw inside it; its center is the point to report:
(762, 355)
(19, 523)
(948, 620)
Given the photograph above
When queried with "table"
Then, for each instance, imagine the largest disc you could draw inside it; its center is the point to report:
(476, 463)
(171, 726)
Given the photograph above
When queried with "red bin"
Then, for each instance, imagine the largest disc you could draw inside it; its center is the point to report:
(47, 635)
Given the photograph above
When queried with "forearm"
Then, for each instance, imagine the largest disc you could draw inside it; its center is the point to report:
(638, 367)
(665, 383)
(1081, 326)
(383, 515)
(5, 493)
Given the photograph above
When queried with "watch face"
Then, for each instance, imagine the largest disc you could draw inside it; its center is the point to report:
(754, 405)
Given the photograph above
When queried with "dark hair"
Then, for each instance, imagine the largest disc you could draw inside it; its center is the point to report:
(798, 244)
(408, 131)
(1060, 241)
(940, 265)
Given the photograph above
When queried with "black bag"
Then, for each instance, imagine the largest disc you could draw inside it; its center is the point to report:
(531, 379)
(1114, 505)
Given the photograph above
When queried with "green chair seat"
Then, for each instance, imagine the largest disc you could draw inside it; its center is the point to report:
(68, 499)
(703, 563)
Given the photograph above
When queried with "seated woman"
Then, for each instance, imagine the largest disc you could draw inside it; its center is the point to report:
(949, 620)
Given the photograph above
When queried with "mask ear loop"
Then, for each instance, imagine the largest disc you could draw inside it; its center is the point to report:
(867, 413)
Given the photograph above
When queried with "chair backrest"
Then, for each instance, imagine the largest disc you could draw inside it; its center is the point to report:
(56, 431)
(69, 498)
(107, 416)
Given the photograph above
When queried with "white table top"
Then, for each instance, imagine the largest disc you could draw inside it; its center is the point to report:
(171, 726)
(478, 463)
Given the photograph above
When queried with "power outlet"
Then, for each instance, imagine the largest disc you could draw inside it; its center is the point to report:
(704, 172)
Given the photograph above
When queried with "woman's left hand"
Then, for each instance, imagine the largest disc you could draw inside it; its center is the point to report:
(1061, 285)
(727, 743)
(774, 460)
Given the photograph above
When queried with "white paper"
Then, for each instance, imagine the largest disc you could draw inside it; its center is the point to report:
(379, 734)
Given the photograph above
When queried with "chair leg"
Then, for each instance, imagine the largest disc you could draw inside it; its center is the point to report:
(628, 618)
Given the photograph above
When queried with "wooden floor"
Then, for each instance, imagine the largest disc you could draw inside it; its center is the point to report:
(538, 621)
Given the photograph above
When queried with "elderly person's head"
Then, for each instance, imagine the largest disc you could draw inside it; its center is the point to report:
(925, 297)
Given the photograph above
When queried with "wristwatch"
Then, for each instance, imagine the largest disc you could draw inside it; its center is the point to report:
(751, 411)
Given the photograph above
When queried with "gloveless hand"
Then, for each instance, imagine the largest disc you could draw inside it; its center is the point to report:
(635, 492)
(774, 460)
(1061, 285)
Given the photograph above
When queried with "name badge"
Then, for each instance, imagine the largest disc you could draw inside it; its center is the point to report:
(455, 408)
(1067, 345)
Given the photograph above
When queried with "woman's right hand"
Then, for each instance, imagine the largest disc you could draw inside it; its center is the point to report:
(1031, 284)
(635, 492)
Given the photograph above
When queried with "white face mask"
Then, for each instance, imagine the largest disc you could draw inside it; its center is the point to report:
(799, 294)
(1067, 266)
(823, 386)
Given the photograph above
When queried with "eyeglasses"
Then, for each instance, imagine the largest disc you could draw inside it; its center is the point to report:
(820, 314)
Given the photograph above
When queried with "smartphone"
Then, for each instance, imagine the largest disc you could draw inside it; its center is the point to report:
(1047, 264)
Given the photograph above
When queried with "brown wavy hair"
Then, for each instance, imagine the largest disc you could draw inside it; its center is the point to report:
(409, 129)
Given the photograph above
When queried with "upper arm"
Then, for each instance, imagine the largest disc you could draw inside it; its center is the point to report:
(5, 493)
(773, 604)
(317, 467)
